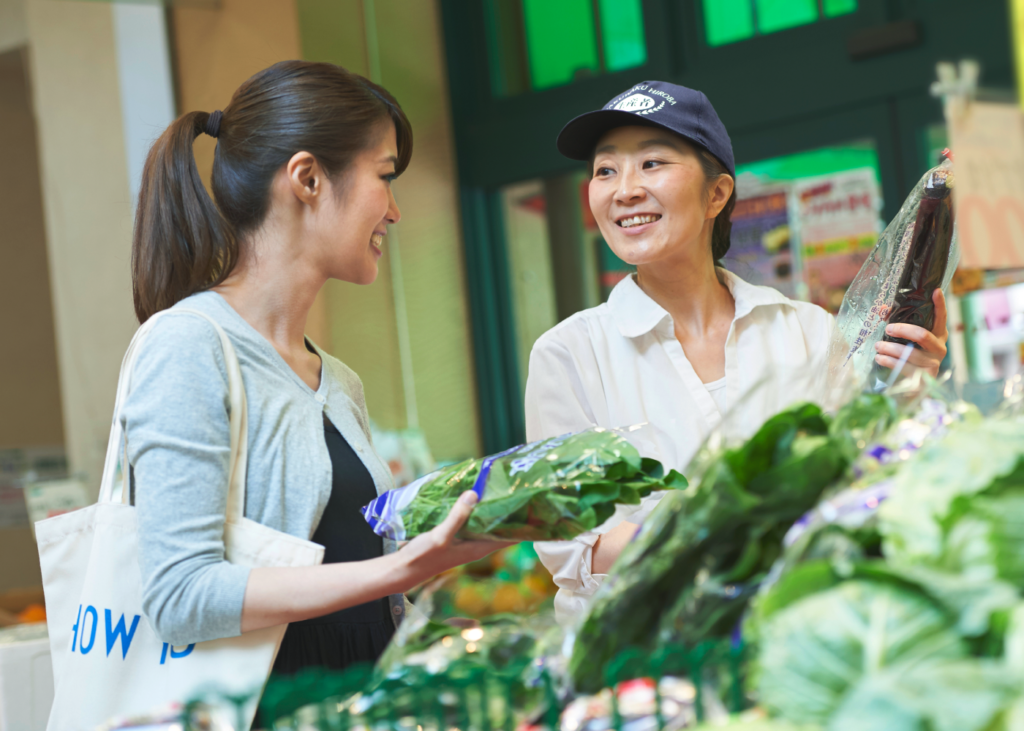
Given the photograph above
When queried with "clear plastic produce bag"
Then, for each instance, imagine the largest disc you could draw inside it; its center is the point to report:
(553, 489)
(916, 254)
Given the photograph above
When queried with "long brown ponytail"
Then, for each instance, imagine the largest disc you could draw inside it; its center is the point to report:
(184, 242)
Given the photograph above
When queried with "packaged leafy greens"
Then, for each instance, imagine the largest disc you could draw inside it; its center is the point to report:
(552, 489)
(843, 527)
(699, 558)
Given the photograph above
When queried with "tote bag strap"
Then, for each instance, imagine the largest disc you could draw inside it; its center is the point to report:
(239, 426)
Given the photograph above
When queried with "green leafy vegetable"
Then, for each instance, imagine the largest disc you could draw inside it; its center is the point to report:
(554, 489)
(740, 723)
(948, 695)
(699, 558)
(955, 521)
(939, 486)
(815, 650)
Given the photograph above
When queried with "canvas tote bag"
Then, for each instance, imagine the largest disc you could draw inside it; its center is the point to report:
(107, 660)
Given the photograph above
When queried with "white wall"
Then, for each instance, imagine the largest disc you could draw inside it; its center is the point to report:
(147, 88)
(88, 212)
(103, 92)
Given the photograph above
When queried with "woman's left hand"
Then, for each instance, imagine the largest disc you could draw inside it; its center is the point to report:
(933, 344)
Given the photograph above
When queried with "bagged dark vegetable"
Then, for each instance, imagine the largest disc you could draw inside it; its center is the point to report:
(928, 255)
(700, 557)
(549, 490)
(915, 255)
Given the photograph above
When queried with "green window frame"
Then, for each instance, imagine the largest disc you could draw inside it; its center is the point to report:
(731, 21)
(533, 45)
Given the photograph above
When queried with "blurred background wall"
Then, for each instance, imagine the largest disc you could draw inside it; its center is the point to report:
(425, 328)
(32, 409)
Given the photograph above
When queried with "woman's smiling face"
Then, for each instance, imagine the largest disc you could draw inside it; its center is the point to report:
(648, 195)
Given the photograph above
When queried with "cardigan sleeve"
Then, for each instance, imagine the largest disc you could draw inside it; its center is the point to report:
(177, 423)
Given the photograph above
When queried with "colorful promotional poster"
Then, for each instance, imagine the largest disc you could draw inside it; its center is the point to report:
(760, 251)
(839, 222)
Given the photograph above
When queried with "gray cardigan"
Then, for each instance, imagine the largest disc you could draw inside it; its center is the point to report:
(176, 419)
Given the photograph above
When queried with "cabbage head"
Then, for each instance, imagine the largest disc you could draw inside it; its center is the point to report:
(954, 523)
(949, 695)
(813, 651)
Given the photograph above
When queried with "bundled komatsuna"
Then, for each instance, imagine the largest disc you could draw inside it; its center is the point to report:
(690, 573)
(554, 489)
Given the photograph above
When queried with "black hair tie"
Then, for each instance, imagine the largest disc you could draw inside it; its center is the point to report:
(212, 127)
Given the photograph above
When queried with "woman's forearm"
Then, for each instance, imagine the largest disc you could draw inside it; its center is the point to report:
(275, 596)
(609, 546)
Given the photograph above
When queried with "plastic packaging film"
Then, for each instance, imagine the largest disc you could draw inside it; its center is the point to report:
(915, 255)
(553, 489)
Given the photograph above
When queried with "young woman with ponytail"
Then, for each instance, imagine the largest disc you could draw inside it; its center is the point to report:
(301, 182)
(679, 342)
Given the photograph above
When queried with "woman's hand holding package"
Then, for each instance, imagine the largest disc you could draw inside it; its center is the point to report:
(280, 595)
(438, 550)
(932, 345)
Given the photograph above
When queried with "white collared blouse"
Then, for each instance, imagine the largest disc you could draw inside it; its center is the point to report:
(620, 364)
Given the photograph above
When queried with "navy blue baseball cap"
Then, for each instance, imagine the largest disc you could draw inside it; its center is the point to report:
(686, 112)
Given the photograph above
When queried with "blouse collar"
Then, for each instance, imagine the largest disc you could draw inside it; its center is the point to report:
(637, 314)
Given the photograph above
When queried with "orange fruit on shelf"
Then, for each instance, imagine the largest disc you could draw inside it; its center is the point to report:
(468, 599)
(537, 586)
(508, 598)
(32, 613)
(498, 559)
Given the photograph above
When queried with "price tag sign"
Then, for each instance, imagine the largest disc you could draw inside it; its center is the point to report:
(988, 141)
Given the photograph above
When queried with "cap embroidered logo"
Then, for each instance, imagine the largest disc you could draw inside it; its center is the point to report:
(635, 103)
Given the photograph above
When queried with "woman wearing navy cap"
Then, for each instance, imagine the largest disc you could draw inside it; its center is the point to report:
(678, 342)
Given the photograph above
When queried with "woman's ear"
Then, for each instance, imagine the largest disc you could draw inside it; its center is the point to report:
(305, 177)
(720, 194)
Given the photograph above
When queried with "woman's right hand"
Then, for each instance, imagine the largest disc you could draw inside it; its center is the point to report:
(278, 595)
(435, 552)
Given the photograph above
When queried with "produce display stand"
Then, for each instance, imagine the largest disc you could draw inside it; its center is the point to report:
(470, 697)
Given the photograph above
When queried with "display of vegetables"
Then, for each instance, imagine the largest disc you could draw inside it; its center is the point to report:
(503, 642)
(699, 558)
(915, 618)
(869, 565)
(553, 489)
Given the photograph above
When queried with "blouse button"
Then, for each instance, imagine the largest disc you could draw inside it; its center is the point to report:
(396, 610)
(320, 399)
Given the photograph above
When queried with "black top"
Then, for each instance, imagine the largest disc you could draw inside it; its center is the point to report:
(356, 634)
